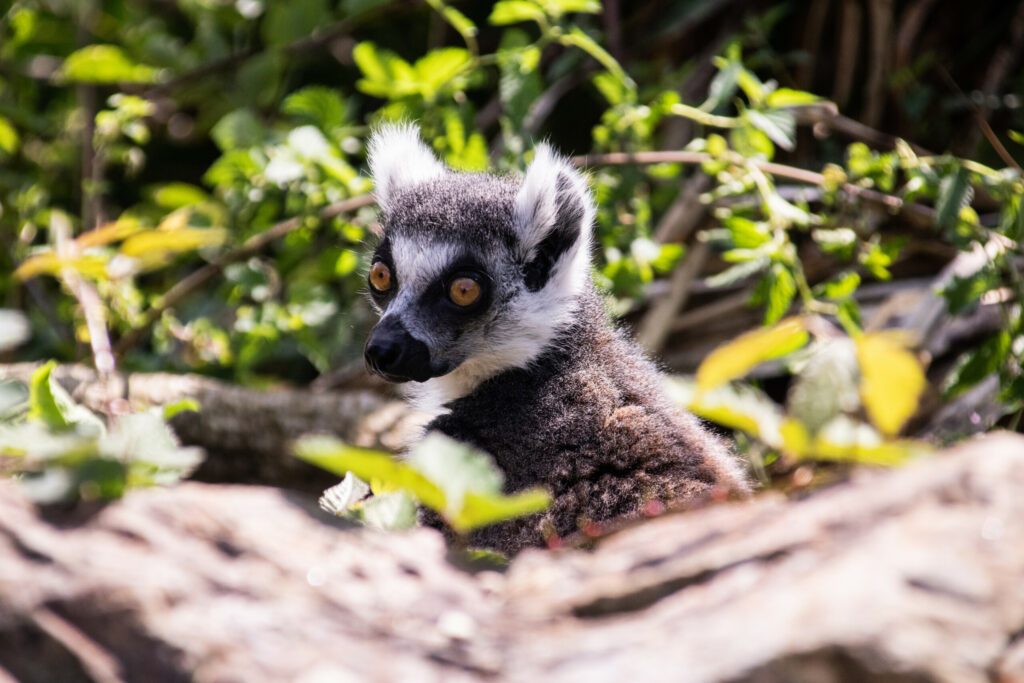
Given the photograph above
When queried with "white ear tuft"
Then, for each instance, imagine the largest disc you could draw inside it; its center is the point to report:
(553, 212)
(398, 158)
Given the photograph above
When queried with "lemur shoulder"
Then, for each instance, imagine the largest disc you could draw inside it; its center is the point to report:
(484, 287)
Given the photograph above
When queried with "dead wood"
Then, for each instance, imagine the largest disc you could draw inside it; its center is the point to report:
(910, 575)
(247, 433)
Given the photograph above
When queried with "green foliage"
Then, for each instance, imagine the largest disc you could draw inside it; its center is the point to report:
(462, 485)
(213, 123)
(59, 450)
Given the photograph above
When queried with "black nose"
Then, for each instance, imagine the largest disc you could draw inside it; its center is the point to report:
(396, 355)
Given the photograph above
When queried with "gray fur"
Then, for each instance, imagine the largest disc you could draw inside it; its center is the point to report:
(537, 376)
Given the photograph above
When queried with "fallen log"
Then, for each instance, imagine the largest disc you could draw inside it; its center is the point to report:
(247, 433)
(909, 575)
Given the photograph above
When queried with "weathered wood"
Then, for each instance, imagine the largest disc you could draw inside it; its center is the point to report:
(247, 432)
(911, 575)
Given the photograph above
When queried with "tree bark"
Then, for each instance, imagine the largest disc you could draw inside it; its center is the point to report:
(908, 575)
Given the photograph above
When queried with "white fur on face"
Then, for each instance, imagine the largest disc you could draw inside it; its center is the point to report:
(398, 159)
(532, 320)
(418, 266)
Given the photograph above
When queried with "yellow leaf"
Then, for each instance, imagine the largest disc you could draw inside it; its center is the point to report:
(48, 263)
(153, 247)
(739, 356)
(892, 380)
(111, 232)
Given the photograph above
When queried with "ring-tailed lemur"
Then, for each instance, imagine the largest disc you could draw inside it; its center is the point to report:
(484, 287)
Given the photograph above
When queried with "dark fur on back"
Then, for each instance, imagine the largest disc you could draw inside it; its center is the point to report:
(589, 421)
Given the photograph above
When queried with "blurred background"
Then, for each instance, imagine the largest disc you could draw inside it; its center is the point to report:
(183, 187)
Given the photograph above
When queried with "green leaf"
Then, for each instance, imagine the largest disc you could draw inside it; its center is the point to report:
(437, 68)
(741, 355)
(172, 196)
(50, 404)
(827, 385)
(105, 64)
(977, 364)
(286, 22)
(577, 38)
(318, 105)
(339, 458)
(152, 450)
(457, 468)
(738, 273)
(480, 510)
(780, 126)
(386, 75)
(558, 7)
(787, 97)
(962, 293)
(238, 129)
(751, 142)
(185, 405)
(841, 286)
(389, 512)
(780, 290)
(514, 11)
(839, 242)
(9, 139)
(955, 193)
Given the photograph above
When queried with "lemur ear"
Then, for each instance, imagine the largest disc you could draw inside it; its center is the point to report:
(398, 158)
(553, 216)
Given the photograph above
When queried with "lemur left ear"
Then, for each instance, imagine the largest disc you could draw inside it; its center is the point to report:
(398, 158)
(553, 216)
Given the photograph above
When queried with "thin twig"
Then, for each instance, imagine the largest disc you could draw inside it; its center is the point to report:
(86, 296)
(250, 247)
(917, 214)
(657, 324)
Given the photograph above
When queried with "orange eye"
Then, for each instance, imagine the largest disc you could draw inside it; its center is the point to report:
(380, 277)
(464, 291)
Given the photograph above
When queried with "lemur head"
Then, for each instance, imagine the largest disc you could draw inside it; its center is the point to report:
(475, 273)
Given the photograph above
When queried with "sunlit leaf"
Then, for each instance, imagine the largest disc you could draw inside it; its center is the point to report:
(787, 97)
(389, 512)
(48, 263)
(457, 468)
(514, 11)
(339, 458)
(185, 405)
(780, 126)
(892, 380)
(9, 139)
(154, 247)
(50, 404)
(105, 64)
(740, 356)
(480, 509)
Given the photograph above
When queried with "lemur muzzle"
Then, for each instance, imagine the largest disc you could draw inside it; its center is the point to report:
(396, 355)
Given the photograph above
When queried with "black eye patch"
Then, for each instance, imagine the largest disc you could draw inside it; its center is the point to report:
(437, 299)
(383, 255)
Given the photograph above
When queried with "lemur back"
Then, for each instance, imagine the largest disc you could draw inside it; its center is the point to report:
(484, 287)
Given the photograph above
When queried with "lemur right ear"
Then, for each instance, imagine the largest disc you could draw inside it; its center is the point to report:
(553, 216)
(398, 158)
